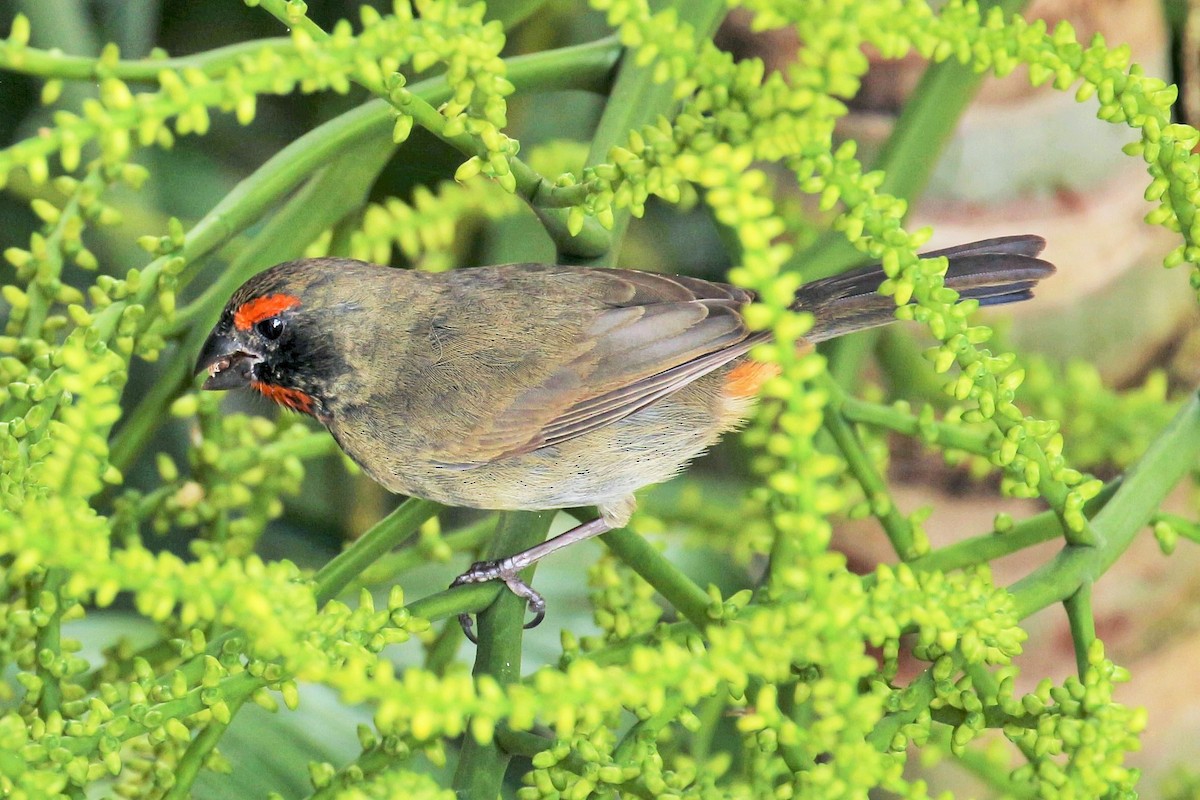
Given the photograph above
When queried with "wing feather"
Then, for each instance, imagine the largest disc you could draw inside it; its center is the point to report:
(652, 335)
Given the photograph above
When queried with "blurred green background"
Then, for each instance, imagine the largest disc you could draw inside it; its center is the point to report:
(1075, 211)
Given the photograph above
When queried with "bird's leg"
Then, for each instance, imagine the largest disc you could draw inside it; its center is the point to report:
(508, 570)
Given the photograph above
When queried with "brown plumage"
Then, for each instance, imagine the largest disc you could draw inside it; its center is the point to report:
(532, 386)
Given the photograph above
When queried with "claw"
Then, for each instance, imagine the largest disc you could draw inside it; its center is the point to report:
(468, 628)
(484, 571)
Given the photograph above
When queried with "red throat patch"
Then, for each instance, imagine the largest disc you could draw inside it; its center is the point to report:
(289, 398)
(255, 311)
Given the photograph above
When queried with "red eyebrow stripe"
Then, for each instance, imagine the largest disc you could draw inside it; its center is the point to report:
(254, 311)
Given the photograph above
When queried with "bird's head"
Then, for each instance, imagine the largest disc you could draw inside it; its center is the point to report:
(275, 336)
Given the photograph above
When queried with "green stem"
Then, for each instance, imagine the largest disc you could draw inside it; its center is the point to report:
(234, 689)
(1181, 525)
(899, 530)
(997, 776)
(1083, 625)
(993, 717)
(1039, 528)
(469, 599)
(917, 697)
(667, 579)
(529, 184)
(49, 640)
(522, 743)
(382, 537)
(468, 539)
(51, 64)
(1145, 486)
(910, 154)
(481, 765)
(929, 431)
(636, 100)
(198, 751)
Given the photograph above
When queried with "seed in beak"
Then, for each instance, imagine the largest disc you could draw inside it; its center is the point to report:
(217, 366)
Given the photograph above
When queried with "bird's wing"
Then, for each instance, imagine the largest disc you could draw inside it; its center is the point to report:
(647, 336)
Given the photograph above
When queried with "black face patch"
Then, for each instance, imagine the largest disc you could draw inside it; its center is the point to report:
(304, 357)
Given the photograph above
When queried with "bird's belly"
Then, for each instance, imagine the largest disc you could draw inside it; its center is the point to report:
(598, 467)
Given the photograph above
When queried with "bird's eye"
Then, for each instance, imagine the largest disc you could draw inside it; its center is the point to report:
(270, 328)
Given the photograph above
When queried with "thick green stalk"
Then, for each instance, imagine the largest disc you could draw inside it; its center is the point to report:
(190, 764)
(512, 12)
(917, 698)
(389, 567)
(470, 599)
(382, 537)
(899, 530)
(1082, 623)
(636, 100)
(480, 770)
(667, 579)
(49, 640)
(1172, 455)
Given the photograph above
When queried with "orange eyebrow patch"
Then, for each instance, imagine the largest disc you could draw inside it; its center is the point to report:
(289, 398)
(744, 380)
(255, 311)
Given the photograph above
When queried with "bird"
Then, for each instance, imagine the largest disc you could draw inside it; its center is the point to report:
(537, 386)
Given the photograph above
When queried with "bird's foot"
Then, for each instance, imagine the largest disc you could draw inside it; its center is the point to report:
(504, 570)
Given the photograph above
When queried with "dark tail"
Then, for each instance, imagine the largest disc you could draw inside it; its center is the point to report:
(993, 271)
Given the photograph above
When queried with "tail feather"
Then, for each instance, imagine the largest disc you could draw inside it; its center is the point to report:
(1023, 244)
(993, 271)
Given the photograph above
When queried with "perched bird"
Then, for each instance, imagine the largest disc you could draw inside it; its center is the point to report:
(531, 386)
